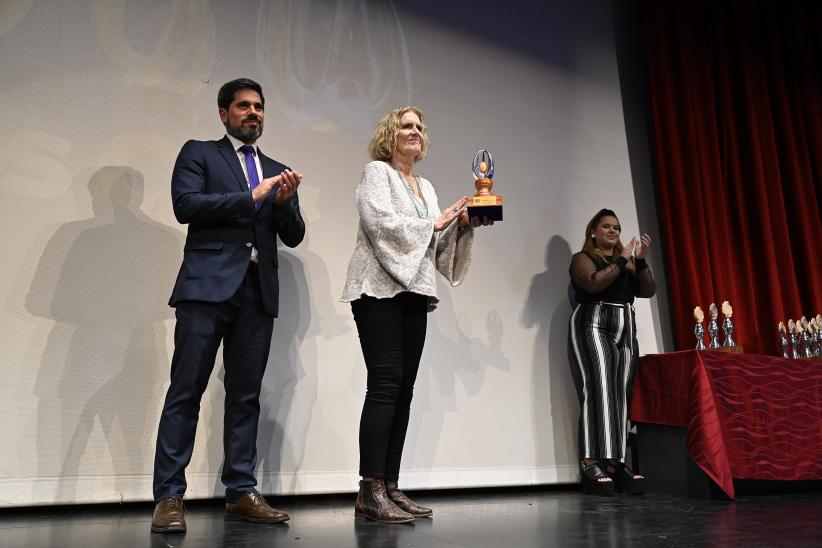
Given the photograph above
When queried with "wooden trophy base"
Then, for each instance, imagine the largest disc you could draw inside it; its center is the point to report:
(489, 206)
(736, 349)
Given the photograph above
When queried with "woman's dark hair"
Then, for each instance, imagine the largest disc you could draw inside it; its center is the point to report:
(226, 93)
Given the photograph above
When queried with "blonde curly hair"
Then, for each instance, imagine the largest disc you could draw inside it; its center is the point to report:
(384, 138)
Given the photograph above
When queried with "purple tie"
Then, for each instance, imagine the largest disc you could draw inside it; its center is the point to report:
(251, 168)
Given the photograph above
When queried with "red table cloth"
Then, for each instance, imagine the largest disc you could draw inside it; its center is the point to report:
(748, 416)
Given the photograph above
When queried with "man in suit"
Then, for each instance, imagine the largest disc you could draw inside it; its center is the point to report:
(236, 202)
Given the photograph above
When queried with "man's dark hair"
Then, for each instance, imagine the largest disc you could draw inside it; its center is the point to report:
(226, 94)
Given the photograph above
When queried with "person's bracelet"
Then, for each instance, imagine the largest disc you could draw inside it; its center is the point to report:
(641, 264)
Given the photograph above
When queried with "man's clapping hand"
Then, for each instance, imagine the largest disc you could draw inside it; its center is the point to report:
(288, 181)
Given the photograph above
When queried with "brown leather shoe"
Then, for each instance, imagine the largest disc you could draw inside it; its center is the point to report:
(373, 503)
(399, 498)
(169, 516)
(253, 507)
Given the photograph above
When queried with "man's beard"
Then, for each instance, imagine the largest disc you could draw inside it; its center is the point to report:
(246, 134)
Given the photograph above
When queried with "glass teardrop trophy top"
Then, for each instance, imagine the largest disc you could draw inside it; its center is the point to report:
(483, 166)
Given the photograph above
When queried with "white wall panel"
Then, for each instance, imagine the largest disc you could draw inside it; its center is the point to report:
(99, 96)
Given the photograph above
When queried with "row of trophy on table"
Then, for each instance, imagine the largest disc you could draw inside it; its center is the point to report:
(801, 339)
(713, 328)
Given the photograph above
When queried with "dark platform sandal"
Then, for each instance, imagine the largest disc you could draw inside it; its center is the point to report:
(592, 478)
(625, 479)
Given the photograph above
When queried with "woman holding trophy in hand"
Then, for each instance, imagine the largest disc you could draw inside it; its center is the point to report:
(606, 276)
(402, 241)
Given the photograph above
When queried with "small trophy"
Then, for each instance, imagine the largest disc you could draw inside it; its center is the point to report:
(818, 320)
(483, 203)
(783, 339)
(804, 330)
(813, 327)
(794, 339)
(727, 325)
(713, 327)
(699, 331)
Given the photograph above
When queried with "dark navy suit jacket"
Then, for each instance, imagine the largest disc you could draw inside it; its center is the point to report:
(210, 194)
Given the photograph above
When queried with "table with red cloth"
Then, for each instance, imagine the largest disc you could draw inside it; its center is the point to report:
(748, 416)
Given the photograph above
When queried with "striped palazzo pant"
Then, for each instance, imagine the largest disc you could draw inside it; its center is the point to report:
(604, 354)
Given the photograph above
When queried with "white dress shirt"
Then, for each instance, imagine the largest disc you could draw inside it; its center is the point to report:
(237, 144)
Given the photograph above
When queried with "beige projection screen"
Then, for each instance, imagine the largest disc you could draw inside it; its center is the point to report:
(98, 98)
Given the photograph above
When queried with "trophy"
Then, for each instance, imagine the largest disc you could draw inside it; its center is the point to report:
(727, 325)
(699, 331)
(713, 327)
(484, 204)
(804, 330)
(818, 321)
(783, 339)
(813, 327)
(794, 339)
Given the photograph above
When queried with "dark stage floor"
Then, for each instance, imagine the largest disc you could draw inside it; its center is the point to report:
(470, 518)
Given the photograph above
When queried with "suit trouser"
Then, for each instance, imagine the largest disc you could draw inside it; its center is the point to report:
(245, 330)
(604, 357)
(392, 335)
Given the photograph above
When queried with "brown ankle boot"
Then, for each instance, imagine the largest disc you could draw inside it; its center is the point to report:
(373, 503)
(399, 498)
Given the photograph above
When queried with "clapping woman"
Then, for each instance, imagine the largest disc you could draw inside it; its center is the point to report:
(606, 276)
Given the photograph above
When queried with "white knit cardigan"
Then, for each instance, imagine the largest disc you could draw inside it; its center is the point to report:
(397, 249)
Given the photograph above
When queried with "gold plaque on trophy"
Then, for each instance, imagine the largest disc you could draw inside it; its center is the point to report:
(483, 203)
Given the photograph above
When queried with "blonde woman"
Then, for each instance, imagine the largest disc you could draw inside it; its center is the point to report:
(403, 240)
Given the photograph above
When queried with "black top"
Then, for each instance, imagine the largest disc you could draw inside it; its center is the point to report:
(622, 290)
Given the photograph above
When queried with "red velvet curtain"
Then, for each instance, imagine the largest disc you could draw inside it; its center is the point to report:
(735, 92)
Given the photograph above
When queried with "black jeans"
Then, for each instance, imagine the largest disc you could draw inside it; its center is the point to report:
(392, 334)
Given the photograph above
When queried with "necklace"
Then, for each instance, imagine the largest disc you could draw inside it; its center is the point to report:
(418, 202)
